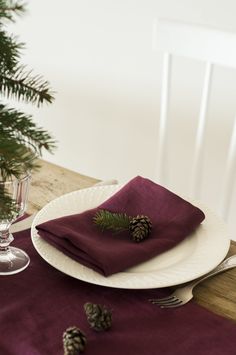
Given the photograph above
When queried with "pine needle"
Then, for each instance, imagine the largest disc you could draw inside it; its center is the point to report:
(106, 220)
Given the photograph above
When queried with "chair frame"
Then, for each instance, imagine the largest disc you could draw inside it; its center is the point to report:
(213, 47)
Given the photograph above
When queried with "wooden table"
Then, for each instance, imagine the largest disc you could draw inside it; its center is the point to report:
(217, 294)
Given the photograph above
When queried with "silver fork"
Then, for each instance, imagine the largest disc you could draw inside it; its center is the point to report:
(184, 294)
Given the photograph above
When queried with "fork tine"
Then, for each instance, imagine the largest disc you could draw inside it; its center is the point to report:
(164, 300)
(166, 303)
(178, 303)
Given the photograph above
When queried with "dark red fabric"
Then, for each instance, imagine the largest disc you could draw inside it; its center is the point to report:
(39, 303)
(172, 217)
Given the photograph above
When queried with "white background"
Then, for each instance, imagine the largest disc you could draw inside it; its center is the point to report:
(98, 57)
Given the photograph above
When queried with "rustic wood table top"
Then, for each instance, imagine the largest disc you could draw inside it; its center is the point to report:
(218, 293)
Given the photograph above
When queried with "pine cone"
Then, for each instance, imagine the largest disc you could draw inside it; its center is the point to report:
(99, 317)
(140, 227)
(74, 341)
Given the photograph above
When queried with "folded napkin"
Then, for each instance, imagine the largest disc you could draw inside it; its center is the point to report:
(172, 218)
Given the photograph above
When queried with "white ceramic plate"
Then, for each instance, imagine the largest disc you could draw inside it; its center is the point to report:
(195, 256)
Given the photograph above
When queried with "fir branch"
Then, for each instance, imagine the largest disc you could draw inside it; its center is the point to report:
(10, 9)
(21, 141)
(9, 52)
(15, 124)
(15, 158)
(22, 85)
(107, 220)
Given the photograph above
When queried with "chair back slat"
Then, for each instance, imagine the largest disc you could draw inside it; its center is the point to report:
(163, 125)
(198, 157)
(230, 173)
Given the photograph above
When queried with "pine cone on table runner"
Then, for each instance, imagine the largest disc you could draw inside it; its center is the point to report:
(74, 341)
(99, 317)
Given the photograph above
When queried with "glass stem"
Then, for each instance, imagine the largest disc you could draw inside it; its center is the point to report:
(5, 239)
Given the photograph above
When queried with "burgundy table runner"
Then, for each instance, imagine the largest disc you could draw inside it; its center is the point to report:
(172, 218)
(38, 304)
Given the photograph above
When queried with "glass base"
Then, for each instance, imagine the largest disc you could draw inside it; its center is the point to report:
(13, 260)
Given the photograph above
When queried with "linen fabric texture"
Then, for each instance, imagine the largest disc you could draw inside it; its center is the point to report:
(40, 303)
(173, 219)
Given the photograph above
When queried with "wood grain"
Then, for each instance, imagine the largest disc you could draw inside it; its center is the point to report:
(51, 181)
(217, 294)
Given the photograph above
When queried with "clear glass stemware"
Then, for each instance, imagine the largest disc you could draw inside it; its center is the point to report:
(12, 207)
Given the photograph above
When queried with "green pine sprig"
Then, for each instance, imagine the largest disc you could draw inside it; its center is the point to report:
(139, 227)
(21, 142)
(106, 220)
(10, 52)
(20, 84)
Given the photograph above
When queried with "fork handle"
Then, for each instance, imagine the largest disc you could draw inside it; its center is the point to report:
(226, 264)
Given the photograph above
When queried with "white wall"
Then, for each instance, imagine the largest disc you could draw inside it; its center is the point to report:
(98, 57)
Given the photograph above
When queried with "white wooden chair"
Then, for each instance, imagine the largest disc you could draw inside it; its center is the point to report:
(214, 48)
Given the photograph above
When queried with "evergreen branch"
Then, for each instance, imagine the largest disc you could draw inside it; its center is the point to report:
(22, 86)
(21, 141)
(15, 158)
(15, 124)
(9, 9)
(107, 220)
(9, 52)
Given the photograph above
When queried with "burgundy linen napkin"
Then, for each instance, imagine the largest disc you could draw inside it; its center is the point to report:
(172, 218)
(38, 304)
